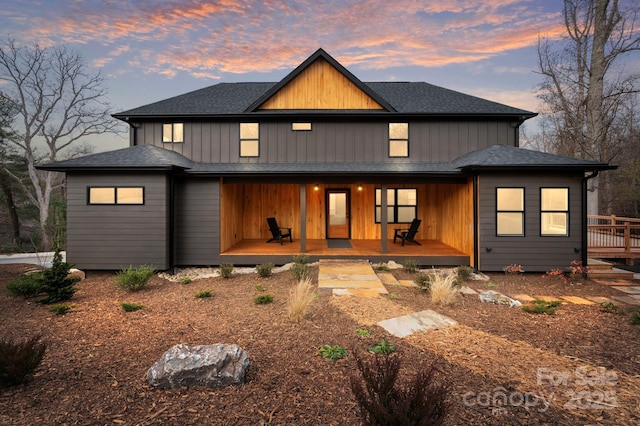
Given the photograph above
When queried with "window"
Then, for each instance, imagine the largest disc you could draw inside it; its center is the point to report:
(173, 132)
(115, 195)
(300, 127)
(398, 139)
(510, 211)
(249, 140)
(554, 211)
(402, 205)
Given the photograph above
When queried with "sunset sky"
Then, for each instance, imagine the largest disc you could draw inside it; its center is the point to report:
(150, 50)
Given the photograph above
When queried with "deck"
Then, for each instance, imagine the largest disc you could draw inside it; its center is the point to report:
(431, 252)
(614, 237)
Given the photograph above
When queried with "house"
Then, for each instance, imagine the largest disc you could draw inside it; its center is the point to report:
(332, 158)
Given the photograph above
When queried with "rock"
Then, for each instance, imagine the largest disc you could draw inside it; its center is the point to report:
(212, 366)
(73, 272)
(491, 296)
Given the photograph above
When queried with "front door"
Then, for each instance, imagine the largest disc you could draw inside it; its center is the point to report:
(338, 213)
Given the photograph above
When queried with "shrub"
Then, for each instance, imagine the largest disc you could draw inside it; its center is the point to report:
(56, 282)
(635, 318)
(576, 268)
(226, 269)
(382, 348)
(133, 279)
(300, 271)
(363, 333)
(381, 267)
(299, 298)
(423, 280)
(131, 307)
(263, 299)
(443, 289)
(264, 270)
(26, 285)
(541, 307)
(60, 309)
(556, 273)
(382, 401)
(185, 280)
(302, 259)
(203, 294)
(610, 308)
(464, 273)
(260, 287)
(333, 352)
(513, 269)
(410, 265)
(18, 360)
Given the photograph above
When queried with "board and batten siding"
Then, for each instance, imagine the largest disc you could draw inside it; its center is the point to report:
(534, 252)
(197, 222)
(328, 142)
(112, 237)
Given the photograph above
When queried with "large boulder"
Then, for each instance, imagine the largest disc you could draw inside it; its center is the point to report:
(212, 366)
(491, 296)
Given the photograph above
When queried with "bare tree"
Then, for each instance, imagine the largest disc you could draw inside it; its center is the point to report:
(585, 83)
(59, 102)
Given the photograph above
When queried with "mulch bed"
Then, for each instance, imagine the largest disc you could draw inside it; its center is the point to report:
(97, 355)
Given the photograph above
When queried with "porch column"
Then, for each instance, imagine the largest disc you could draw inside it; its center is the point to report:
(383, 219)
(303, 218)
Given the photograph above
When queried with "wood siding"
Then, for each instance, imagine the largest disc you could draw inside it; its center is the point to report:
(197, 222)
(534, 252)
(330, 141)
(320, 86)
(111, 237)
(446, 210)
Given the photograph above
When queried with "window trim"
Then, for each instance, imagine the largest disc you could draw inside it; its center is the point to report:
(395, 205)
(173, 132)
(115, 195)
(390, 140)
(566, 212)
(522, 212)
(241, 139)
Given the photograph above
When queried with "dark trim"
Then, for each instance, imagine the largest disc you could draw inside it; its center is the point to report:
(171, 206)
(394, 205)
(476, 243)
(585, 230)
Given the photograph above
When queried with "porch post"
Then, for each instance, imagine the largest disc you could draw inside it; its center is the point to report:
(303, 218)
(383, 219)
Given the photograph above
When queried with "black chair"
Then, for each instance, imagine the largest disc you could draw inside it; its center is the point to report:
(408, 235)
(278, 233)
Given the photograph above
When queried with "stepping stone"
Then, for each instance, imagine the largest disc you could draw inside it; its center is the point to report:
(614, 282)
(387, 278)
(627, 299)
(577, 300)
(467, 290)
(407, 283)
(355, 292)
(599, 299)
(525, 298)
(417, 321)
(628, 290)
(548, 298)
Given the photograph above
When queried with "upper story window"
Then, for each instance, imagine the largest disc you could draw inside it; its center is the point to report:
(115, 195)
(554, 211)
(249, 139)
(398, 139)
(173, 132)
(402, 205)
(510, 211)
(297, 127)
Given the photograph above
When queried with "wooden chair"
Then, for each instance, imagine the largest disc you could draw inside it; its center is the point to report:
(408, 235)
(278, 233)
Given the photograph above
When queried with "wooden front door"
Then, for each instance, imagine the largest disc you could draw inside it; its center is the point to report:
(338, 224)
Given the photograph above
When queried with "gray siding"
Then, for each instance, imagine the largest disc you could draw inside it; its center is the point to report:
(534, 252)
(110, 237)
(431, 141)
(197, 216)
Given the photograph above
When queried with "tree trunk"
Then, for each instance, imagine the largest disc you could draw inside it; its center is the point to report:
(11, 207)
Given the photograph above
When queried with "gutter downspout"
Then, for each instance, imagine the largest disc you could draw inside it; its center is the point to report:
(476, 243)
(585, 233)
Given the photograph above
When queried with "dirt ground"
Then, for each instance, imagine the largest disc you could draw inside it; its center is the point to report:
(504, 366)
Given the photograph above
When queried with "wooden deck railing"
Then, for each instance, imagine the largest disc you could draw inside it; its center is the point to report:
(614, 236)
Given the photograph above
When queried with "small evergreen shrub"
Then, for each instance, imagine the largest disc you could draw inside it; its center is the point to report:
(264, 270)
(263, 299)
(610, 308)
(134, 279)
(302, 259)
(410, 265)
(18, 360)
(131, 307)
(300, 271)
(26, 285)
(382, 348)
(300, 297)
(383, 401)
(226, 269)
(423, 280)
(332, 352)
(185, 280)
(60, 309)
(56, 282)
(204, 293)
(541, 307)
(635, 318)
(464, 273)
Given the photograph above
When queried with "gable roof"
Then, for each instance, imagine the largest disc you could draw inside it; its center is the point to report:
(245, 99)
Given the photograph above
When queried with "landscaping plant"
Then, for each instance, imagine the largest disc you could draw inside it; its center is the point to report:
(333, 352)
(226, 269)
(423, 280)
(542, 307)
(56, 282)
(263, 299)
(134, 279)
(513, 269)
(264, 270)
(185, 280)
(60, 309)
(443, 289)
(363, 333)
(203, 294)
(299, 298)
(610, 308)
(635, 318)
(300, 271)
(382, 348)
(131, 307)
(18, 360)
(464, 273)
(302, 259)
(384, 401)
(26, 285)
(410, 265)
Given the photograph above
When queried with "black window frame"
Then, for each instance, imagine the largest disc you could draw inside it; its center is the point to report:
(395, 205)
(115, 195)
(521, 212)
(173, 132)
(241, 140)
(566, 212)
(390, 139)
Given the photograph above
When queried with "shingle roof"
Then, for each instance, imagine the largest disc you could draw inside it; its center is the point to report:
(135, 157)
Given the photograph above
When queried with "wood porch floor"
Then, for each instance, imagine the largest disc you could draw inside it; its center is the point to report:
(430, 252)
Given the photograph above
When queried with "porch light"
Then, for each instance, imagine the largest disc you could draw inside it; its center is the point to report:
(359, 187)
(316, 188)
